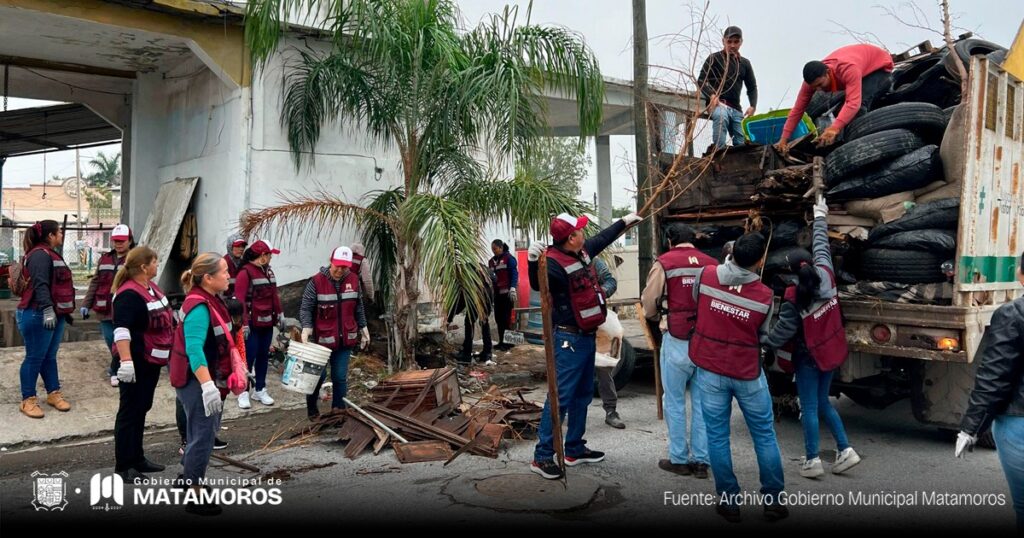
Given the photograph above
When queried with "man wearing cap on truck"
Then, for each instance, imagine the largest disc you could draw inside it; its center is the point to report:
(99, 298)
(332, 316)
(577, 310)
(863, 71)
(723, 75)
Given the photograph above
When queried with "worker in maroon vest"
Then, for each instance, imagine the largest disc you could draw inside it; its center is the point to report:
(45, 306)
(506, 280)
(670, 289)
(577, 309)
(332, 315)
(256, 288)
(143, 335)
(733, 312)
(810, 332)
(236, 250)
(99, 298)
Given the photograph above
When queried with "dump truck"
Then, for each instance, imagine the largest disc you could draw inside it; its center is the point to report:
(925, 352)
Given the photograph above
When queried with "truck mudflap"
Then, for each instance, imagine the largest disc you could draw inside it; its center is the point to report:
(940, 391)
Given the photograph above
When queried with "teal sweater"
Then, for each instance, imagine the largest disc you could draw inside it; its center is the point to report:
(197, 324)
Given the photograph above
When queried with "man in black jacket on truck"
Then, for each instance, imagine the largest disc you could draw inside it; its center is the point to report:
(998, 396)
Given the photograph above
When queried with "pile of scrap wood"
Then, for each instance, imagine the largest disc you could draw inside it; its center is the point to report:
(421, 414)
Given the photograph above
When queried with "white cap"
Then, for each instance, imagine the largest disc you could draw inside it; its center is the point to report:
(342, 257)
(120, 233)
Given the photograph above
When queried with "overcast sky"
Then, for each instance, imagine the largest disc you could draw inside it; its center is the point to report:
(779, 37)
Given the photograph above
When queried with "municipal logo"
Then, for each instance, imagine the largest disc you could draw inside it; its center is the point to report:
(50, 491)
(106, 492)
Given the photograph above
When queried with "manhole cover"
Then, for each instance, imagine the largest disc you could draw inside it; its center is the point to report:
(523, 492)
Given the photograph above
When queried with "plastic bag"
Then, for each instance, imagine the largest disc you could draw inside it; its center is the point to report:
(609, 342)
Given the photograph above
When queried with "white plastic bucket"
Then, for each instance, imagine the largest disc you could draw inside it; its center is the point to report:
(304, 365)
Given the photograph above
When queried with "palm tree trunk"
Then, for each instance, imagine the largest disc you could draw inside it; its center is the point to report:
(405, 332)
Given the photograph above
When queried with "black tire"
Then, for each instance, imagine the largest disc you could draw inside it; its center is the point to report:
(924, 119)
(938, 215)
(901, 266)
(939, 242)
(909, 73)
(822, 102)
(963, 50)
(871, 149)
(624, 371)
(911, 171)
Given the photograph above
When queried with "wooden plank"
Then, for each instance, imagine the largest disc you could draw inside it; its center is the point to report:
(419, 426)
(657, 368)
(422, 451)
(549, 355)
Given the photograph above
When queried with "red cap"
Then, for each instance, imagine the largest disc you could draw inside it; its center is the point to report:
(120, 233)
(239, 242)
(262, 247)
(341, 257)
(565, 224)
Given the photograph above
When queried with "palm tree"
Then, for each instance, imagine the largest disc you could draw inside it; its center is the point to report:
(108, 171)
(439, 94)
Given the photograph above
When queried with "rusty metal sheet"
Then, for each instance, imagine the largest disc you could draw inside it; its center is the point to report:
(164, 222)
(421, 451)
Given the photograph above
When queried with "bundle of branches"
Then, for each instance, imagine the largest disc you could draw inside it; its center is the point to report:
(784, 186)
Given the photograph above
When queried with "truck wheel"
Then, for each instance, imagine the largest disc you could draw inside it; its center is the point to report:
(624, 371)
(964, 50)
(902, 266)
(871, 149)
(925, 119)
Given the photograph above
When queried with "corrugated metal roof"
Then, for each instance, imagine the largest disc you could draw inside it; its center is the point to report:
(32, 130)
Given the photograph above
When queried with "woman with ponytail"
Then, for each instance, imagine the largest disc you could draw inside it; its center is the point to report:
(45, 306)
(810, 333)
(506, 279)
(143, 333)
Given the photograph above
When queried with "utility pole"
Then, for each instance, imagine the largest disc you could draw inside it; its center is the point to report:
(642, 134)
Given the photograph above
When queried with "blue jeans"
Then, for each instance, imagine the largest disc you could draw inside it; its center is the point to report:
(812, 386)
(1008, 433)
(202, 431)
(257, 351)
(574, 368)
(726, 122)
(41, 345)
(339, 382)
(677, 371)
(756, 404)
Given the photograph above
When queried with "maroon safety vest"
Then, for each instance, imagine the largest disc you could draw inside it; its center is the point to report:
(726, 338)
(822, 328)
(219, 365)
(159, 335)
(585, 294)
(62, 287)
(262, 291)
(334, 316)
(502, 276)
(357, 262)
(232, 274)
(681, 268)
(105, 271)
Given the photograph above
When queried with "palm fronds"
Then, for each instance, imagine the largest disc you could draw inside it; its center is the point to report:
(299, 212)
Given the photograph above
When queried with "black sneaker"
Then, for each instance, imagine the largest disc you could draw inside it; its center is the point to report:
(681, 469)
(730, 513)
(547, 469)
(131, 475)
(699, 470)
(218, 444)
(147, 466)
(612, 419)
(203, 509)
(773, 511)
(590, 456)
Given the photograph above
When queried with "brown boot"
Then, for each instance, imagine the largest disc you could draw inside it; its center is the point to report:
(56, 400)
(30, 406)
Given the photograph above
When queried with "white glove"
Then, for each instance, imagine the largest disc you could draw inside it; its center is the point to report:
(631, 219)
(306, 333)
(211, 399)
(245, 332)
(536, 248)
(49, 318)
(126, 372)
(821, 208)
(85, 312)
(964, 441)
(513, 296)
(364, 338)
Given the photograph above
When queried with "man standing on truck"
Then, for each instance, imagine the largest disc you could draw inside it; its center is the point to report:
(998, 396)
(721, 78)
(733, 312)
(671, 280)
(863, 71)
(577, 310)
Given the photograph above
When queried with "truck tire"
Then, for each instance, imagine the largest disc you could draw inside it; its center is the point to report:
(902, 266)
(871, 149)
(962, 52)
(822, 102)
(624, 371)
(909, 172)
(925, 119)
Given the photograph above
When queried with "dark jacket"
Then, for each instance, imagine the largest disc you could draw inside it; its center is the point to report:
(719, 66)
(999, 382)
(558, 282)
(790, 324)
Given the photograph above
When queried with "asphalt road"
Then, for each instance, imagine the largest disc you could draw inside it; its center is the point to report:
(903, 462)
